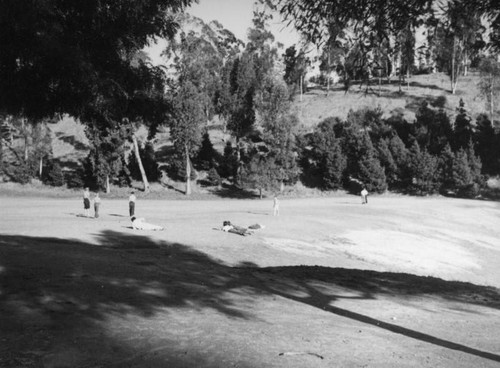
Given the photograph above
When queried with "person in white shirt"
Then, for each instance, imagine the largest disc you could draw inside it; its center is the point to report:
(97, 204)
(139, 223)
(276, 206)
(131, 203)
(364, 196)
(86, 202)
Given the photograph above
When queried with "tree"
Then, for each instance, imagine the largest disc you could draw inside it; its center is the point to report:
(432, 129)
(279, 125)
(462, 129)
(489, 84)
(423, 171)
(150, 166)
(388, 163)
(243, 79)
(457, 38)
(322, 155)
(260, 173)
(65, 56)
(400, 155)
(105, 162)
(370, 172)
(295, 69)
(185, 123)
(486, 145)
(446, 162)
(207, 156)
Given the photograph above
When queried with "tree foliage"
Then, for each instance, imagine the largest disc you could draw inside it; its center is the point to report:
(66, 56)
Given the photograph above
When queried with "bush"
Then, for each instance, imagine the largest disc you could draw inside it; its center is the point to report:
(53, 175)
(213, 177)
(74, 179)
(21, 174)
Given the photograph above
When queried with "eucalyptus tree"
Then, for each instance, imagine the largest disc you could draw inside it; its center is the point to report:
(243, 80)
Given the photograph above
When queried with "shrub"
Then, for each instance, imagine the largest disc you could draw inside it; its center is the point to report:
(74, 179)
(213, 177)
(53, 175)
(21, 173)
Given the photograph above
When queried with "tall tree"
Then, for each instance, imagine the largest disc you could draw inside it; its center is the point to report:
(185, 124)
(295, 69)
(462, 129)
(279, 125)
(489, 84)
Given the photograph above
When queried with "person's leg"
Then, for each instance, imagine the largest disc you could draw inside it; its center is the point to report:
(131, 208)
(96, 210)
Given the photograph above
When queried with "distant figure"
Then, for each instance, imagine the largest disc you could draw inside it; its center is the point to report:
(276, 206)
(97, 204)
(86, 202)
(364, 196)
(131, 203)
(141, 224)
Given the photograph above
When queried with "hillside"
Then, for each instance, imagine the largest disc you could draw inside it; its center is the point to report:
(70, 143)
(433, 88)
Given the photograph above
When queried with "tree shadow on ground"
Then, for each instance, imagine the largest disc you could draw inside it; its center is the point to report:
(55, 291)
(232, 192)
(428, 86)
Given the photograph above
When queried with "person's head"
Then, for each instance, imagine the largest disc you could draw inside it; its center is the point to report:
(132, 192)
(226, 223)
(132, 218)
(86, 189)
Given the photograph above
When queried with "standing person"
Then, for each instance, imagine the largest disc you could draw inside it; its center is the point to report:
(97, 203)
(131, 203)
(364, 196)
(86, 202)
(276, 206)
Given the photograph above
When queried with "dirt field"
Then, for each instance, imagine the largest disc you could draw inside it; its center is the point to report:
(400, 282)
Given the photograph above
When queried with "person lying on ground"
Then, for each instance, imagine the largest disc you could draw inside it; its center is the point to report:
(244, 231)
(139, 223)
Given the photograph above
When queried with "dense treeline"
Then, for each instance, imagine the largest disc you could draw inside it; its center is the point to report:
(105, 80)
(427, 156)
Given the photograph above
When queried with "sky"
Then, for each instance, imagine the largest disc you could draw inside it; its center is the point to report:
(236, 16)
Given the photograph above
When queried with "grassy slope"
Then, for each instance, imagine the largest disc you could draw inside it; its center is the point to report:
(316, 105)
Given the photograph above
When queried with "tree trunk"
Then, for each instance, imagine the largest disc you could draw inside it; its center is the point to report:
(466, 69)
(139, 162)
(328, 74)
(108, 188)
(491, 104)
(40, 168)
(188, 173)
(238, 163)
(453, 76)
(301, 88)
(282, 186)
(408, 77)
(260, 193)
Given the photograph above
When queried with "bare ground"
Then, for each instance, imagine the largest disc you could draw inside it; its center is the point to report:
(400, 282)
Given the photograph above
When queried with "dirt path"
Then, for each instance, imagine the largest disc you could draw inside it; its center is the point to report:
(400, 282)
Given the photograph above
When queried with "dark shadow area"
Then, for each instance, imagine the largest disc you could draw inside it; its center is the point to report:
(55, 291)
(117, 215)
(429, 86)
(369, 284)
(233, 192)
